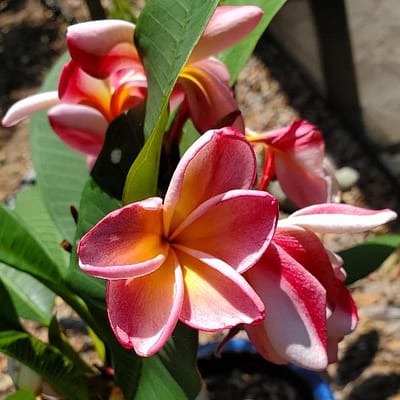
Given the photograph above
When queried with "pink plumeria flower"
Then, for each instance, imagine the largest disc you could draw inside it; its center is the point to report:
(203, 83)
(182, 258)
(295, 156)
(308, 308)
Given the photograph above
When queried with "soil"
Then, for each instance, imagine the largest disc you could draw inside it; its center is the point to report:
(272, 90)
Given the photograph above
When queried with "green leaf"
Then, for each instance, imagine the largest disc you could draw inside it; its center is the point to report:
(31, 299)
(361, 260)
(55, 368)
(9, 318)
(236, 57)
(59, 340)
(21, 394)
(166, 33)
(123, 142)
(61, 172)
(30, 207)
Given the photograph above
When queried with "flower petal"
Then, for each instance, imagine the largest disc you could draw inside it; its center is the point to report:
(125, 243)
(24, 107)
(295, 304)
(216, 298)
(210, 100)
(220, 160)
(339, 218)
(101, 47)
(235, 227)
(81, 127)
(76, 86)
(144, 311)
(228, 25)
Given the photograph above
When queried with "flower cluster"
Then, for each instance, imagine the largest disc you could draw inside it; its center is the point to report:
(211, 253)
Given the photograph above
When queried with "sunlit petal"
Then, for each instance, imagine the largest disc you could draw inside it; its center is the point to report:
(81, 127)
(216, 298)
(218, 229)
(339, 218)
(23, 108)
(295, 306)
(125, 243)
(102, 46)
(218, 161)
(228, 25)
(143, 311)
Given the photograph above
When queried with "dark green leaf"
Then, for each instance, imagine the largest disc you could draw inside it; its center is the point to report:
(61, 172)
(30, 299)
(236, 57)
(124, 140)
(59, 340)
(55, 368)
(9, 318)
(361, 260)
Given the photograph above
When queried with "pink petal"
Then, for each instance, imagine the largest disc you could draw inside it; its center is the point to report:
(210, 100)
(306, 248)
(81, 127)
(76, 86)
(339, 218)
(235, 227)
(125, 243)
(143, 312)
(23, 108)
(220, 160)
(216, 297)
(345, 317)
(295, 304)
(227, 26)
(101, 47)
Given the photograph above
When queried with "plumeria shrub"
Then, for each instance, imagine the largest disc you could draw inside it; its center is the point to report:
(149, 220)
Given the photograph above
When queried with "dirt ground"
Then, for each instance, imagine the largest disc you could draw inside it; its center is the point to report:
(272, 91)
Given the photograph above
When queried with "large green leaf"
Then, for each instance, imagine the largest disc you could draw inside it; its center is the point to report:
(236, 57)
(20, 249)
(61, 172)
(30, 207)
(49, 362)
(166, 33)
(31, 299)
(9, 318)
(361, 260)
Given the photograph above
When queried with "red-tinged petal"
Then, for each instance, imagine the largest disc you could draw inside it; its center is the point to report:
(214, 67)
(81, 127)
(235, 227)
(295, 304)
(76, 86)
(101, 47)
(216, 297)
(126, 96)
(23, 108)
(220, 160)
(345, 317)
(143, 312)
(227, 26)
(210, 100)
(125, 243)
(339, 218)
(306, 248)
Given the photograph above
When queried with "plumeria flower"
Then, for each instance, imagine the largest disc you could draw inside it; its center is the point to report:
(182, 258)
(295, 156)
(203, 84)
(308, 308)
